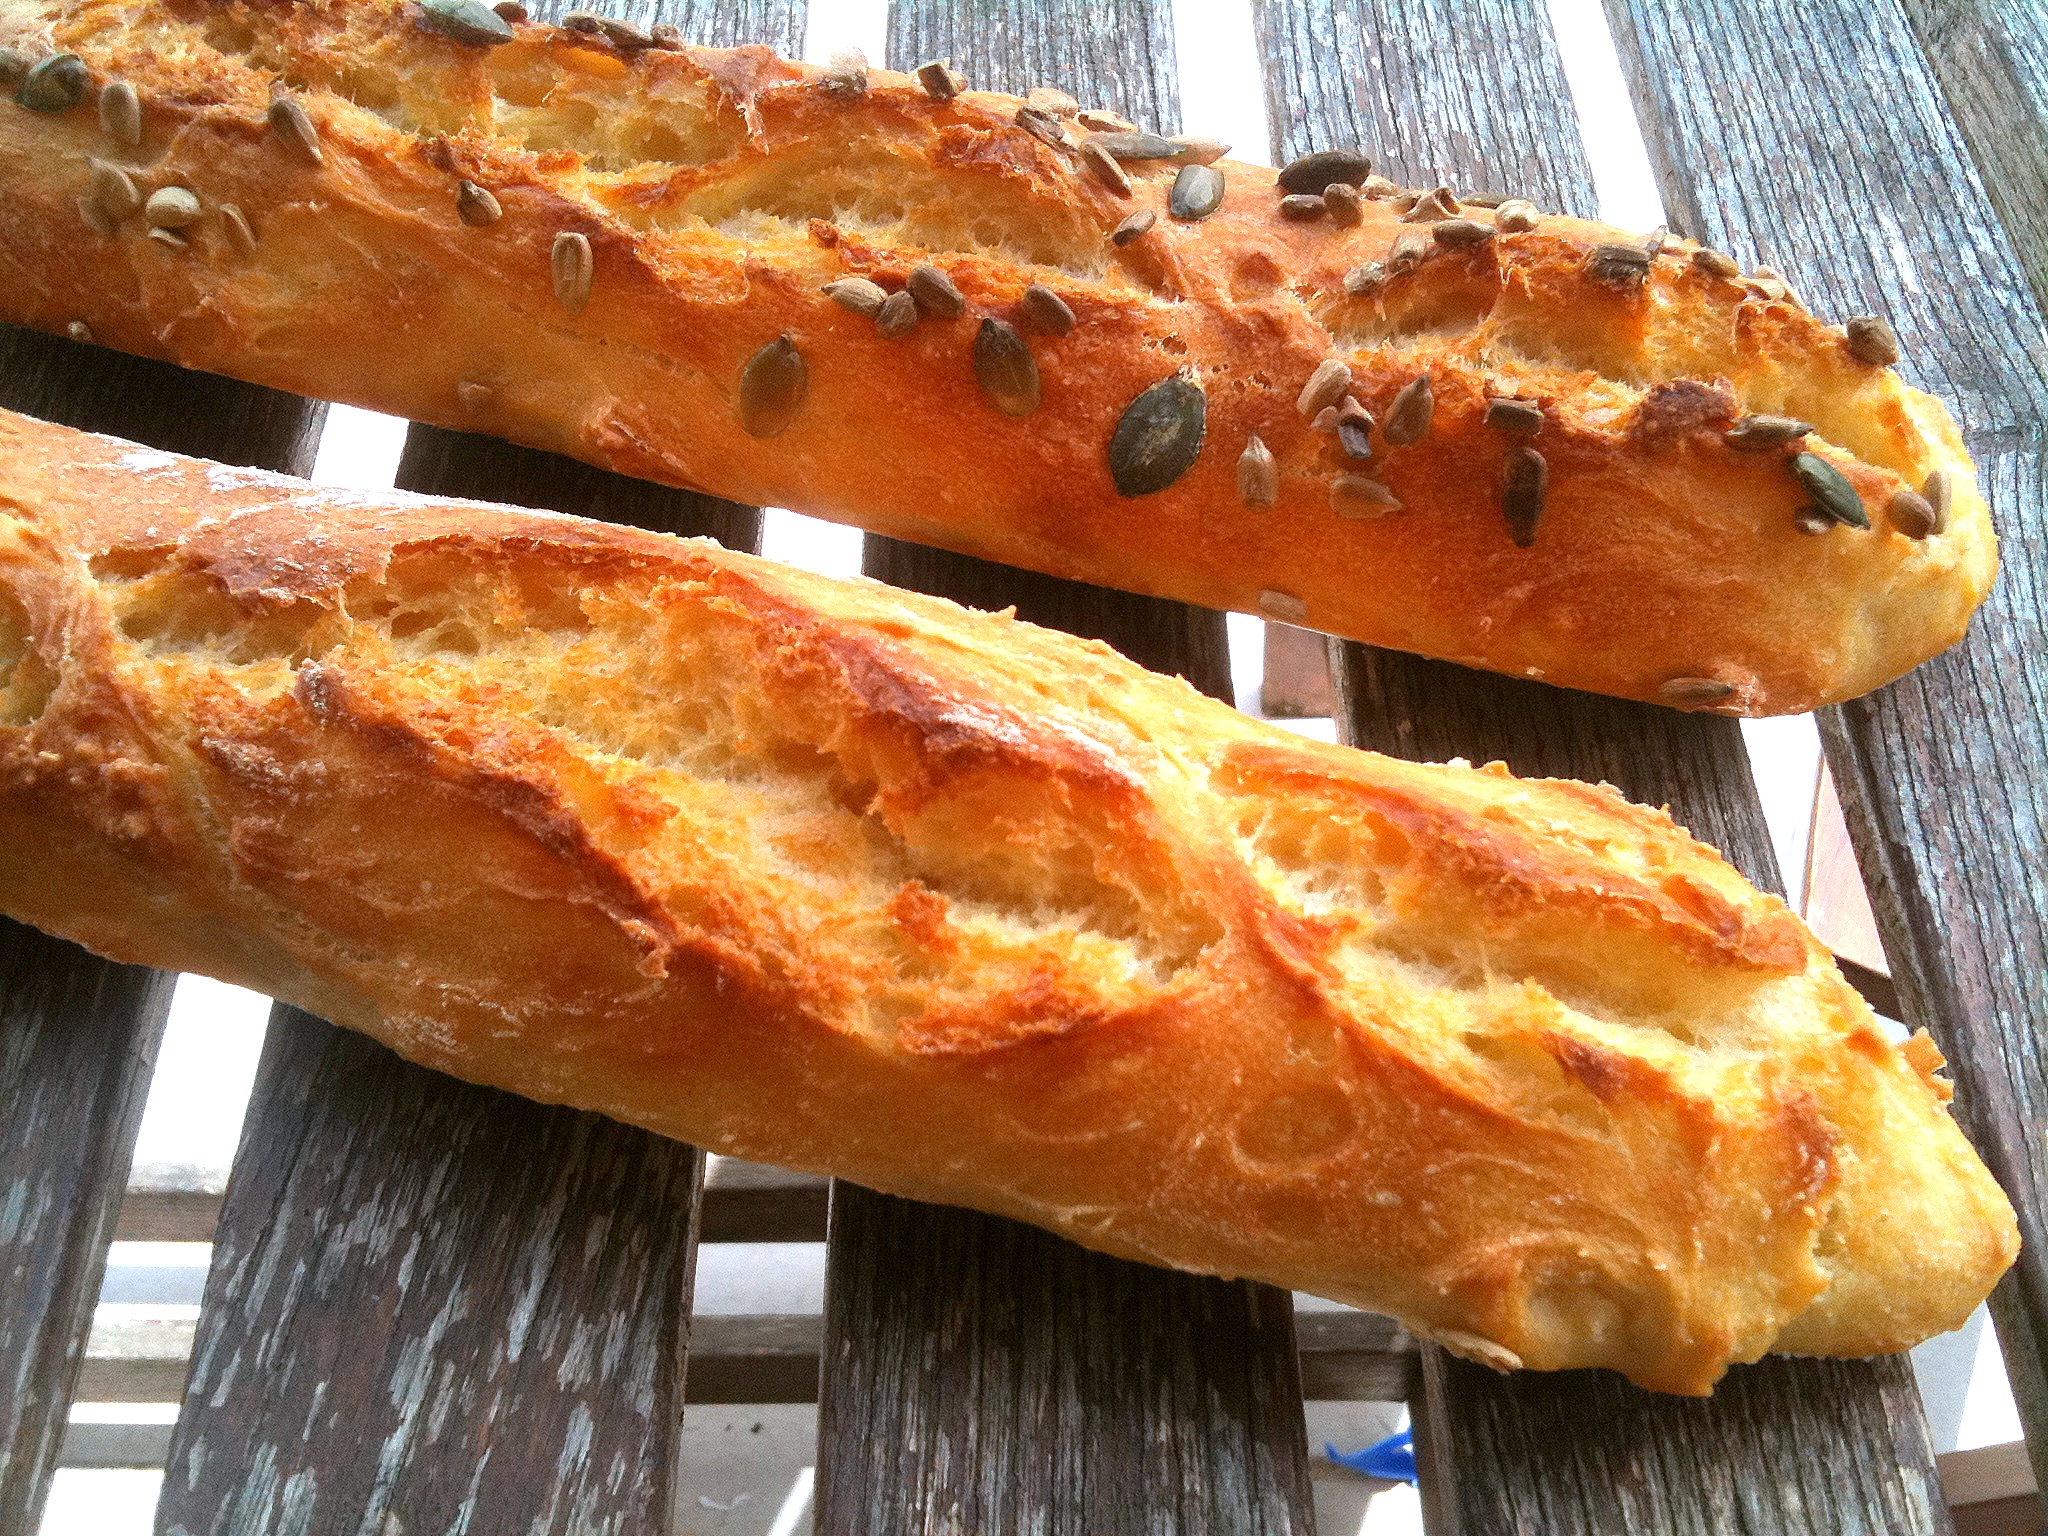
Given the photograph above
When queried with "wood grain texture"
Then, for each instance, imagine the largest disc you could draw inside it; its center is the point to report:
(433, 1307)
(78, 1036)
(1873, 203)
(984, 1377)
(1472, 91)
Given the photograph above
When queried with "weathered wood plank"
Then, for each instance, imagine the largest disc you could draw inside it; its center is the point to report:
(1472, 91)
(981, 1376)
(1859, 186)
(78, 1036)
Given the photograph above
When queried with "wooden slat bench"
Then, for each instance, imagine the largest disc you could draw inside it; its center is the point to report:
(434, 1307)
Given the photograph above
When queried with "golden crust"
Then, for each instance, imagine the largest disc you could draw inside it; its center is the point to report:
(851, 879)
(719, 191)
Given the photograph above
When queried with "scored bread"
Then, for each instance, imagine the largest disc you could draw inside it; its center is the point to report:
(963, 319)
(855, 880)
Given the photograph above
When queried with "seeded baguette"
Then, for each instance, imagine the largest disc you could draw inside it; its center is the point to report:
(855, 880)
(815, 289)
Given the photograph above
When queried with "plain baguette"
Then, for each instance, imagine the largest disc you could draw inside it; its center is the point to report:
(854, 880)
(588, 244)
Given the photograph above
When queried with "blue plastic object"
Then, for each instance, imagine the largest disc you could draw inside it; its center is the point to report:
(1391, 1459)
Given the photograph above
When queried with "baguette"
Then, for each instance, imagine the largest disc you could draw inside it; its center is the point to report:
(623, 252)
(854, 880)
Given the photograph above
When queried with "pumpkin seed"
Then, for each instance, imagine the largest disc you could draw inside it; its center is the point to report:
(1345, 205)
(240, 234)
(1520, 418)
(1525, 479)
(772, 388)
(940, 80)
(467, 21)
(1460, 234)
(1258, 477)
(572, 267)
(293, 128)
(57, 84)
(1005, 368)
(1301, 205)
(1314, 172)
(1103, 164)
(1197, 193)
(1408, 251)
(1912, 514)
(1158, 437)
(1757, 434)
(627, 36)
(79, 332)
(476, 205)
(1872, 341)
(1694, 692)
(1133, 226)
(1830, 490)
(1618, 263)
(1282, 606)
(1045, 311)
(1046, 128)
(1189, 149)
(114, 190)
(897, 316)
(935, 293)
(1367, 278)
(857, 294)
(1325, 386)
(1056, 102)
(1515, 216)
(1715, 263)
(1409, 416)
(1361, 498)
(121, 113)
(172, 208)
(846, 73)
(1939, 490)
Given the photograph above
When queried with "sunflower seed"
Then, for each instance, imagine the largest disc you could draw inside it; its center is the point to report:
(1046, 128)
(1354, 433)
(1326, 420)
(1460, 234)
(897, 316)
(626, 36)
(772, 388)
(1197, 193)
(1313, 172)
(1515, 215)
(1258, 477)
(1409, 416)
(1158, 437)
(1325, 386)
(476, 205)
(941, 81)
(1058, 103)
(1403, 200)
(1939, 490)
(936, 296)
(293, 128)
(1618, 263)
(79, 331)
(1133, 226)
(1361, 498)
(1758, 434)
(170, 237)
(1099, 120)
(1367, 278)
(1694, 692)
(1301, 205)
(1776, 284)
(586, 22)
(13, 65)
(1408, 251)
(1872, 341)
(1812, 520)
(1004, 367)
(1520, 418)
(857, 294)
(1715, 263)
(96, 218)
(1524, 481)
(1439, 203)
(846, 73)
(1654, 242)
(509, 10)
(240, 234)
(1912, 514)
(1045, 311)
(1103, 164)
(1485, 199)
(1189, 149)
(114, 190)
(1830, 490)
(57, 84)
(573, 267)
(1377, 187)
(467, 21)
(667, 35)
(121, 113)
(474, 397)
(171, 208)
(1283, 606)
